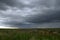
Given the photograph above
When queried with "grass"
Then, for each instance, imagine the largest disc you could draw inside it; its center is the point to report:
(30, 34)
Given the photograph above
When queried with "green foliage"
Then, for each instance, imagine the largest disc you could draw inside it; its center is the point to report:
(29, 34)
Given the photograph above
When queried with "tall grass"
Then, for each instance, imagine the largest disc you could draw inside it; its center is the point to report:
(29, 34)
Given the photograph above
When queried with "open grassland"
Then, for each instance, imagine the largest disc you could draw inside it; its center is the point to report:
(30, 34)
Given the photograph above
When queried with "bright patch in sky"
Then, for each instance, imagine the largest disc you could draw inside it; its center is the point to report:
(4, 27)
(27, 2)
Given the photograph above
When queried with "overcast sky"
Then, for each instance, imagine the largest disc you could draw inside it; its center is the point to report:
(30, 13)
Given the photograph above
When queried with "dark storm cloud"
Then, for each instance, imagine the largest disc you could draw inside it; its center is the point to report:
(12, 3)
(49, 16)
(8, 2)
(19, 24)
(3, 6)
(24, 13)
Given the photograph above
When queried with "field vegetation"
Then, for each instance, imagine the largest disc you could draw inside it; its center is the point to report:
(30, 34)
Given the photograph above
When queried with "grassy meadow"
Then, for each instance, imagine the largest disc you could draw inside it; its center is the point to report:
(30, 34)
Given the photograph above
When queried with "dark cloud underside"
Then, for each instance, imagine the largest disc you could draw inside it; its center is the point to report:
(30, 13)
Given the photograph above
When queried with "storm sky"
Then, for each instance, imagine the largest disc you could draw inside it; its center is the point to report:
(30, 13)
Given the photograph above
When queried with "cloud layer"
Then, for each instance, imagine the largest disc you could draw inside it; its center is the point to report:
(30, 13)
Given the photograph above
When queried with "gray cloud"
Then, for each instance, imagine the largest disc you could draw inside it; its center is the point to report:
(20, 13)
(8, 2)
(49, 16)
(12, 3)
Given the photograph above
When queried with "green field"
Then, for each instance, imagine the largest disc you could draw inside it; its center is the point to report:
(30, 34)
